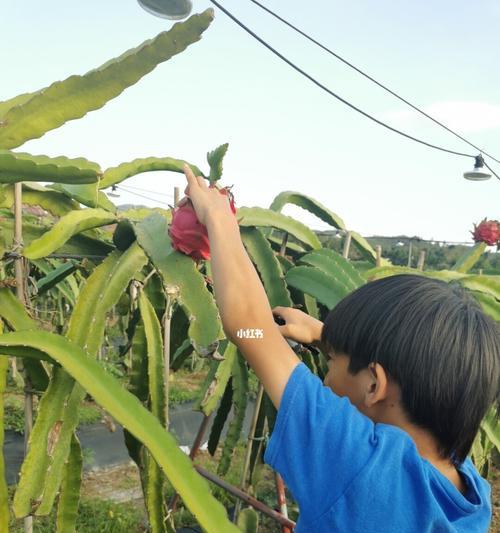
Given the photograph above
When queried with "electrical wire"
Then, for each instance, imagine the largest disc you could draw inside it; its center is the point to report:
(329, 91)
(490, 169)
(142, 195)
(349, 64)
(148, 191)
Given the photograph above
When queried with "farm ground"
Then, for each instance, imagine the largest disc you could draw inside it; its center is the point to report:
(123, 482)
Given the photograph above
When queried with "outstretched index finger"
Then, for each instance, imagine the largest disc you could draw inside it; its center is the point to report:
(191, 179)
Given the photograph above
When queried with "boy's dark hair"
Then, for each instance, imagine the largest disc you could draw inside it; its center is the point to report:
(434, 340)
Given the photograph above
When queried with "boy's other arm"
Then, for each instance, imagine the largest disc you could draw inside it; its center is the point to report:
(243, 304)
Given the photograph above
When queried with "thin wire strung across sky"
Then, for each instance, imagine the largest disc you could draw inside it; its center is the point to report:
(143, 196)
(337, 232)
(344, 101)
(382, 86)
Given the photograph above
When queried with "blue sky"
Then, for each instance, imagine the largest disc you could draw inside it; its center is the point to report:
(284, 133)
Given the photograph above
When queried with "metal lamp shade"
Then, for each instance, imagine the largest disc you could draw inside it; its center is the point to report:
(478, 173)
(167, 9)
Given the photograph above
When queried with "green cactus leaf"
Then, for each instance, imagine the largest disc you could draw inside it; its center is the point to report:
(140, 213)
(258, 216)
(67, 226)
(248, 520)
(181, 354)
(48, 423)
(384, 271)
(115, 175)
(220, 418)
(240, 393)
(217, 379)
(4, 494)
(291, 247)
(365, 248)
(69, 498)
(19, 166)
(20, 99)
(128, 411)
(491, 426)
(57, 275)
(154, 340)
(285, 263)
(60, 402)
(470, 257)
(215, 158)
(177, 269)
(324, 287)
(54, 277)
(111, 279)
(489, 304)
(155, 481)
(138, 385)
(55, 203)
(88, 195)
(14, 313)
(487, 284)
(77, 95)
(78, 244)
(335, 265)
(309, 204)
(124, 234)
(311, 306)
(268, 266)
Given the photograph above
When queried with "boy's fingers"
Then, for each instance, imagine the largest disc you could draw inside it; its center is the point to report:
(192, 181)
(201, 182)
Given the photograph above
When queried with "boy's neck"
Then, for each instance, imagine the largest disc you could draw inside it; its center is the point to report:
(425, 443)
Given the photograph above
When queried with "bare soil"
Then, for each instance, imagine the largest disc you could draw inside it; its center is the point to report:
(119, 483)
(122, 484)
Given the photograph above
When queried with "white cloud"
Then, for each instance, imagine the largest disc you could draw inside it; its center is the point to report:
(462, 116)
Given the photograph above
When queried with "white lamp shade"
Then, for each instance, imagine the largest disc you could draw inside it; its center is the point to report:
(478, 173)
(167, 9)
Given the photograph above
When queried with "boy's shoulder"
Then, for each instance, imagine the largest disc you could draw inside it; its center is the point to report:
(345, 470)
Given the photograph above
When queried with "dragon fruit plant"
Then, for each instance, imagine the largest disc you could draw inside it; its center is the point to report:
(487, 231)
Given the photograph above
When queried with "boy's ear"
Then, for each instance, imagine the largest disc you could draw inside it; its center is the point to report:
(377, 385)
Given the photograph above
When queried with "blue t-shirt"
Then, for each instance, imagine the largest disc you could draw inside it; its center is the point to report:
(349, 474)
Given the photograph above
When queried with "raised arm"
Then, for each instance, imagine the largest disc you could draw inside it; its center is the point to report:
(240, 296)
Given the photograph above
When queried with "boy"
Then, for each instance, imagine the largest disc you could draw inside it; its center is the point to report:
(414, 366)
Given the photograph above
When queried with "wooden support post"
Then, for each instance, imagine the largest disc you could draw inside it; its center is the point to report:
(171, 294)
(280, 490)
(378, 251)
(347, 245)
(21, 294)
(248, 451)
(421, 260)
(172, 506)
(176, 195)
(283, 244)
(410, 248)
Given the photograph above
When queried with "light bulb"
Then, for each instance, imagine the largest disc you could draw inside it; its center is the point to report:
(167, 9)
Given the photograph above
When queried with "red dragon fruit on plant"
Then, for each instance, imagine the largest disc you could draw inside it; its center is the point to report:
(187, 233)
(487, 231)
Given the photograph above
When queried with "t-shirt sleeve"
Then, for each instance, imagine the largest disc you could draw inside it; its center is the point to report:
(319, 444)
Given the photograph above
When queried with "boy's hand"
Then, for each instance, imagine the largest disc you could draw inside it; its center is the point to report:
(299, 326)
(207, 201)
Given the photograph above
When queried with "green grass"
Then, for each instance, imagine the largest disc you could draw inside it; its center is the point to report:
(94, 516)
(14, 413)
